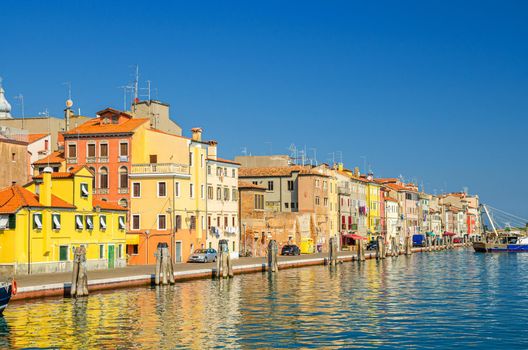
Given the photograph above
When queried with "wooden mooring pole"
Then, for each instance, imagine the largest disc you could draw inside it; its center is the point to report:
(332, 252)
(79, 286)
(164, 272)
(273, 251)
(224, 264)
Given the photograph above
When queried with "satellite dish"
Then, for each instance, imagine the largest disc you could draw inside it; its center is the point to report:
(69, 103)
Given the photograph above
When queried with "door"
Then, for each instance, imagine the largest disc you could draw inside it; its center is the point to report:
(111, 256)
(178, 252)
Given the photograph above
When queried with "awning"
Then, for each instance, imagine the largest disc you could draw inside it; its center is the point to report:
(430, 233)
(354, 236)
(449, 234)
(132, 238)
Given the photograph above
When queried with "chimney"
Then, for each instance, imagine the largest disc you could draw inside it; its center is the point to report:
(211, 150)
(45, 188)
(356, 171)
(196, 134)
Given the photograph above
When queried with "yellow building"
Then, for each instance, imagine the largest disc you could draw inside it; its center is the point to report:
(42, 222)
(168, 195)
(374, 208)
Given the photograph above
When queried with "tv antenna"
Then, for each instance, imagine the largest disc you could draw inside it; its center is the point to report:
(20, 99)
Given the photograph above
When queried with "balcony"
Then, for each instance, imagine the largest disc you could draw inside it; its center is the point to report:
(71, 160)
(159, 168)
(101, 191)
(103, 159)
(122, 159)
(123, 190)
(344, 190)
(91, 159)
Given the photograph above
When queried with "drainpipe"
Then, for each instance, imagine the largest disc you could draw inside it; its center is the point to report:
(29, 241)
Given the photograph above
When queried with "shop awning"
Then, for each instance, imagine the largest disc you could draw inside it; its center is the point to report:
(132, 238)
(430, 233)
(354, 236)
(446, 233)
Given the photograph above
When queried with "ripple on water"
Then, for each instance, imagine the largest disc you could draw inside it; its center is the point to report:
(437, 300)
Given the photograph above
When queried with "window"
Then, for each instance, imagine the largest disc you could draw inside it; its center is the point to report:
(234, 220)
(226, 221)
(46, 145)
(178, 222)
(84, 190)
(201, 161)
(162, 189)
(102, 222)
(292, 205)
(202, 192)
(255, 182)
(89, 222)
(123, 202)
(208, 222)
(190, 159)
(290, 185)
(121, 223)
(37, 221)
(162, 222)
(325, 201)
(234, 194)
(191, 190)
(317, 200)
(136, 190)
(135, 221)
(123, 177)
(226, 193)
(218, 193)
(119, 251)
(233, 245)
(286, 205)
(210, 192)
(233, 172)
(218, 221)
(270, 185)
(103, 150)
(55, 221)
(79, 222)
(91, 150)
(177, 189)
(259, 201)
(101, 251)
(63, 253)
(133, 249)
(72, 150)
(208, 170)
(225, 172)
(103, 177)
(193, 222)
(13, 157)
(123, 149)
(153, 158)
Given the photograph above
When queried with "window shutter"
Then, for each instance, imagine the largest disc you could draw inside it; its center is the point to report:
(12, 221)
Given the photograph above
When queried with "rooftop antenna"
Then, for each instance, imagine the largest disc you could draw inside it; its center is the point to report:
(68, 84)
(333, 157)
(293, 153)
(135, 87)
(340, 156)
(244, 151)
(314, 150)
(125, 88)
(20, 99)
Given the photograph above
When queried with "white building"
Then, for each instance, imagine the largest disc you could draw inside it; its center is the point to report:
(222, 202)
(392, 217)
(39, 146)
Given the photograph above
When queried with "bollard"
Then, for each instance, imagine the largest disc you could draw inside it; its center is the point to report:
(380, 248)
(394, 247)
(79, 286)
(408, 245)
(273, 249)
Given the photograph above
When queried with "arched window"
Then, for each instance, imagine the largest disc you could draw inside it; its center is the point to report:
(123, 177)
(92, 170)
(103, 177)
(123, 202)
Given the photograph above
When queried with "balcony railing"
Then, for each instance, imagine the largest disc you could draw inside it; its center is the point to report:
(103, 159)
(344, 190)
(71, 160)
(91, 159)
(122, 190)
(101, 191)
(160, 168)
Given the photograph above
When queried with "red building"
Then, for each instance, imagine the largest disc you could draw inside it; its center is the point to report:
(104, 145)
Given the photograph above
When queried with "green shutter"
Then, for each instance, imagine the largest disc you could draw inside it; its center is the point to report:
(63, 253)
(12, 221)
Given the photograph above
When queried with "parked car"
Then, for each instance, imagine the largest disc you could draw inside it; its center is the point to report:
(203, 255)
(418, 240)
(290, 249)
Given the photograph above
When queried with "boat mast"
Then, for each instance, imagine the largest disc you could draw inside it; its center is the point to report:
(491, 221)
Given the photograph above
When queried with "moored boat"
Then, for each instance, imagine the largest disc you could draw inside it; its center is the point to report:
(504, 244)
(7, 289)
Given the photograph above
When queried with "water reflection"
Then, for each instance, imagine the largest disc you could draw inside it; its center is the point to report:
(435, 300)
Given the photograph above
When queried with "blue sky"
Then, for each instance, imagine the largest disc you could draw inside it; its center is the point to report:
(434, 91)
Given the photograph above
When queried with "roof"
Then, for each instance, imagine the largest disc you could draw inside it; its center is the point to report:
(269, 171)
(63, 175)
(389, 199)
(249, 185)
(96, 126)
(221, 160)
(56, 157)
(15, 197)
(107, 205)
(35, 137)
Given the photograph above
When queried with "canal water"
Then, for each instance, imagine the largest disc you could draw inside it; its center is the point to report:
(429, 300)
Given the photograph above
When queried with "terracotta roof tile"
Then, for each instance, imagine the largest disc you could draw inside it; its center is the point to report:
(56, 157)
(96, 126)
(16, 197)
(107, 205)
(269, 171)
(35, 137)
(249, 185)
(63, 175)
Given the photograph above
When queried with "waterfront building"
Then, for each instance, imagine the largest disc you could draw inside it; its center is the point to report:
(374, 207)
(435, 217)
(346, 208)
(104, 144)
(168, 199)
(423, 212)
(14, 158)
(222, 201)
(392, 218)
(42, 222)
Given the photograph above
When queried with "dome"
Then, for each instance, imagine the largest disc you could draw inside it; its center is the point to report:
(5, 107)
